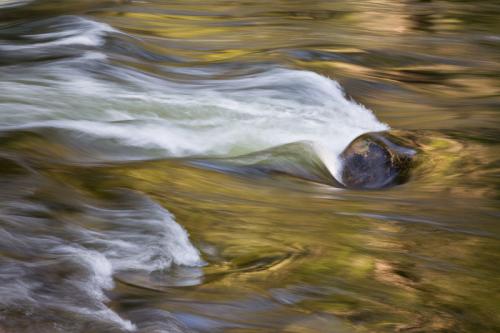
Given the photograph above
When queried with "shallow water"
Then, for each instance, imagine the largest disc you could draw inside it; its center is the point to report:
(171, 166)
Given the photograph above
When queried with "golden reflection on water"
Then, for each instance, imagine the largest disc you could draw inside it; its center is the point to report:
(297, 256)
(388, 262)
(409, 63)
(292, 256)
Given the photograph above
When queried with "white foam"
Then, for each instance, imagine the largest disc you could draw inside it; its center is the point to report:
(99, 278)
(73, 30)
(79, 262)
(148, 240)
(204, 119)
(197, 118)
(13, 3)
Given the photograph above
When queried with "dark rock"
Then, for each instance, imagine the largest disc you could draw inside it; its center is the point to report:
(379, 159)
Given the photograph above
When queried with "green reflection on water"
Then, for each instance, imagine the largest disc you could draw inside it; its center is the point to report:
(286, 255)
(409, 258)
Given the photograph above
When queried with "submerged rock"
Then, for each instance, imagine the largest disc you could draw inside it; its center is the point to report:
(379, 159)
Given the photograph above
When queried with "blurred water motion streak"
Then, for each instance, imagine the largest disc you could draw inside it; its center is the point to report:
(166, 166)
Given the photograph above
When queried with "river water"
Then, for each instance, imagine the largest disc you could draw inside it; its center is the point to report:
(166, 166)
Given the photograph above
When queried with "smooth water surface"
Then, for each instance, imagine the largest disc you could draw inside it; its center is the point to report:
(172, 166)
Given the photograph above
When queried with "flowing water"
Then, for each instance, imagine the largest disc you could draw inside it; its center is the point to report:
(171, 166)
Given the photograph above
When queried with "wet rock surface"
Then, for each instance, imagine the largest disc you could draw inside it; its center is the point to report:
(379, 159)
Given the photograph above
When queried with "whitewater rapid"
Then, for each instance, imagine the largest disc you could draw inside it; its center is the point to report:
(73, 80)
(92, 97)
